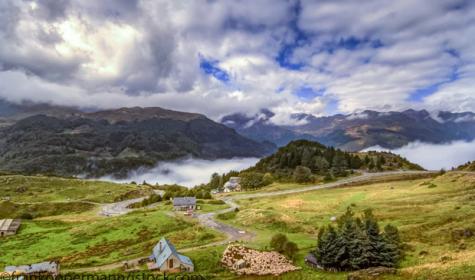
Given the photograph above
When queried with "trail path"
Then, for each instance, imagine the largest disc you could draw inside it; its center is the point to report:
(233, 233)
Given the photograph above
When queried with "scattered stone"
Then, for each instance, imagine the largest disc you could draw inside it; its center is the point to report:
(333, 219)
(246, 261)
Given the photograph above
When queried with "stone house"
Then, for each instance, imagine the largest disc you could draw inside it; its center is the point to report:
(184, 203)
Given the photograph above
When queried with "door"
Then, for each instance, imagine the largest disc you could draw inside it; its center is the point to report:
(170, 263)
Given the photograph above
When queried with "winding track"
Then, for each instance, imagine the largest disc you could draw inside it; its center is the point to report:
(234, 234)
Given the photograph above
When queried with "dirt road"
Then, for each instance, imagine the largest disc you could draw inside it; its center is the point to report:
(233, 233)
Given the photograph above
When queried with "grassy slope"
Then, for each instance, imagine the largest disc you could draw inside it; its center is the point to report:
(71, 231)
(427, 211)
(46, 189)
(43, 196)
(89, 241)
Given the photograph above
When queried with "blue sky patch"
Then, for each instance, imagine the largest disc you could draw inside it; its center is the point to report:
(308, 93)
(420, 94)
(210, 67)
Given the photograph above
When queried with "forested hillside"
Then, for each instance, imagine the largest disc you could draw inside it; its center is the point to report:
(116, 141)
(305, 161)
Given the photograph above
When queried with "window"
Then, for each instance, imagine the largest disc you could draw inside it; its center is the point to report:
(170, 263)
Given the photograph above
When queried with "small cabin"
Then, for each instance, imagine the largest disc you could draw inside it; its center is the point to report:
(9, 227)
(184, 203)
(166, 258)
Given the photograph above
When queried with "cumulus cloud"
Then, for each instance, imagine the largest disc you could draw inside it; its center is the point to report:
(435, 156)
(188, 172)
(381, 55)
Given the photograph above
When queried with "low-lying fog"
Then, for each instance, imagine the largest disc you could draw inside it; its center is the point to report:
(187, 172)
(435, 156)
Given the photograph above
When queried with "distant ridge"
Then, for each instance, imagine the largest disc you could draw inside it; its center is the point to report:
(358, 131)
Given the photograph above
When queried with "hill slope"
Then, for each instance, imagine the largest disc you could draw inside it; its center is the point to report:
(116, 141)
(469, 166)
(306, 161)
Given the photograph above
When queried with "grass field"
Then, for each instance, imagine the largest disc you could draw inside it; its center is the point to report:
(430, 213)
(38, 189)
(89, 241)
(67, 227)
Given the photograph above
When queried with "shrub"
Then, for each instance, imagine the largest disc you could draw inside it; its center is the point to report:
(252, 180)
(227, 215)
(26, 216)
(290, 249)
(278, 241)
(302, 174)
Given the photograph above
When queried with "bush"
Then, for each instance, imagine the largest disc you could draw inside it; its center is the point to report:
(252, 180)
(268, 179)
(290, 249)
(227, 215)
(26, 216)
(278, 242)
(302, 174)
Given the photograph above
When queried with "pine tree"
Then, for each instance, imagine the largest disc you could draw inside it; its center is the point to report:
(358, 244)
(378, 248)
(393, 240)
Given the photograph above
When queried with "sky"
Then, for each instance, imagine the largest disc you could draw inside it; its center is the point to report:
(222, 57)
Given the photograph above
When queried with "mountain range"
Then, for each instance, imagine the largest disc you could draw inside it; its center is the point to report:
(43, 138)
(67, 141)
(354, 132)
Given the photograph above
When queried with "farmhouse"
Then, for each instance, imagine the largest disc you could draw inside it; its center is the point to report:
(48, 268)
(9, 227)
(233, 185)
(184, 203)
(166, 258)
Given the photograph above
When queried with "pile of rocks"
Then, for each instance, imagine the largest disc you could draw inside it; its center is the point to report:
(245, 261)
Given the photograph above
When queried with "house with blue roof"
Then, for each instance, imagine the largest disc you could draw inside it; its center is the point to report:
(166, 258)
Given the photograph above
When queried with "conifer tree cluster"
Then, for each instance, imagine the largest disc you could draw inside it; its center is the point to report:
(357, 243)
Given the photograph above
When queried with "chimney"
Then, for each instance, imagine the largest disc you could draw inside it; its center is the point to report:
(160, 246)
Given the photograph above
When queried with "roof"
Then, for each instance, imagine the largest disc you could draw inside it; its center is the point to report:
(311, 258)
(167, 250)
(184, 201)
(163, 250)
(9, 225)
(51, 267)
(185, 259)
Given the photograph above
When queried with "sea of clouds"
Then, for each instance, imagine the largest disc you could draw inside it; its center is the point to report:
(435, 156)
(186, 172)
